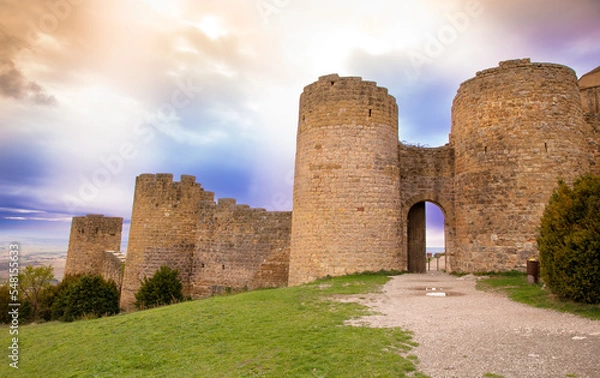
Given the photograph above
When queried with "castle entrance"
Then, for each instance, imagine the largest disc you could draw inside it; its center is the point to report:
(416, 238)
(425, 232)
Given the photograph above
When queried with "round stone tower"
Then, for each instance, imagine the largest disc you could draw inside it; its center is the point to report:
(516, 130)
(346, 187)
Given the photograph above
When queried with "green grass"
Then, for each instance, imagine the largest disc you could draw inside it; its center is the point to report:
(287, 332)
(516, 287)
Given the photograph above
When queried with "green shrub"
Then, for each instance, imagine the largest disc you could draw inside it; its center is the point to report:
(35, 286)
(25, 308)
(60, 296)
(163, 288)
(569, 241)
(85, 296)
(5, 299)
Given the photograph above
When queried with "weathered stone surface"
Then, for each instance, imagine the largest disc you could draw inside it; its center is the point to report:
(347, 186)
(91, 236)
(240, 248)
(113, 267)
(516, 129)
(163, 230)
(427, 174)
(216, 247)
(589, 87)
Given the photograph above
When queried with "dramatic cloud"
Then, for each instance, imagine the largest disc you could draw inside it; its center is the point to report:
(210, 88)
(14, 84)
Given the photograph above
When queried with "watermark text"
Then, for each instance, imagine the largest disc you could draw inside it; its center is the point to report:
(13, 304)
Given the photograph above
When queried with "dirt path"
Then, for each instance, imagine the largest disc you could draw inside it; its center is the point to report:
(470, 333)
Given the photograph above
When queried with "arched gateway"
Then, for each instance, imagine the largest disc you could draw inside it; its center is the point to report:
(516, 129)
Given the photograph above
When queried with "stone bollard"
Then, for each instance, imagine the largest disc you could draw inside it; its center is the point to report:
(533, 270)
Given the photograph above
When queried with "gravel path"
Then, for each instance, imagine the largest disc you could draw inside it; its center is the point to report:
(470, 333)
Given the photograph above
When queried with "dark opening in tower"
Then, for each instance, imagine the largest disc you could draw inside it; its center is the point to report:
(425, 237)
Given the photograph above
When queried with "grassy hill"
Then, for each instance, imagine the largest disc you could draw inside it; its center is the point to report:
(287, 332)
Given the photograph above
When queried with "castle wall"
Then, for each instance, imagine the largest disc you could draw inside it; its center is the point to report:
(589, 88)
(163, 230)
(240, 248)
(593, 124)
(90, 236)
(113, 265)
(427, 174)
(516, 129)
(346, 187)
(590, 98)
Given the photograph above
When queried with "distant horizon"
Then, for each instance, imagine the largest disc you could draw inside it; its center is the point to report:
(59, 245)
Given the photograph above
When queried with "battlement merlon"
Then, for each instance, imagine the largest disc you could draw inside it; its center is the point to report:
(166, 178)
(150, 182)
(231, 204)
(92, 216)
(505, 65)
(512, 64)
(98, 222)
(334, 81)
(226, 202)
(354, 99)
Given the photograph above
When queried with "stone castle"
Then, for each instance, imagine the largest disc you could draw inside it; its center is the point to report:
(359, 194)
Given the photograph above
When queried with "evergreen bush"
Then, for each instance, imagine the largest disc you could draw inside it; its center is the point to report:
(163, 288)
(569, 241)
(85, 296)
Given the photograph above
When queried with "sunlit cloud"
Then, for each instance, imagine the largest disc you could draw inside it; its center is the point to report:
(211, 88)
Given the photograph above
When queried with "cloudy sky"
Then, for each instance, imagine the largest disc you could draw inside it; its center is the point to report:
(96, 92)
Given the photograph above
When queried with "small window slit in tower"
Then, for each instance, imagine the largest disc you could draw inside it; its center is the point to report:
(332, 82)
(223, 267)
(370, 110)
(485, 150)
(546, 147)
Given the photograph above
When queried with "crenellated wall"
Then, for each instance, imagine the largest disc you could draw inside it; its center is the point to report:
(216, 247)
(163, 230)
(237, 246)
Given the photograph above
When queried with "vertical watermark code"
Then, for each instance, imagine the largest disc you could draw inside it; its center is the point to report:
(13, 305)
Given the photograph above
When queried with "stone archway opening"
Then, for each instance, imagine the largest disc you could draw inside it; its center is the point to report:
(426, 237)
